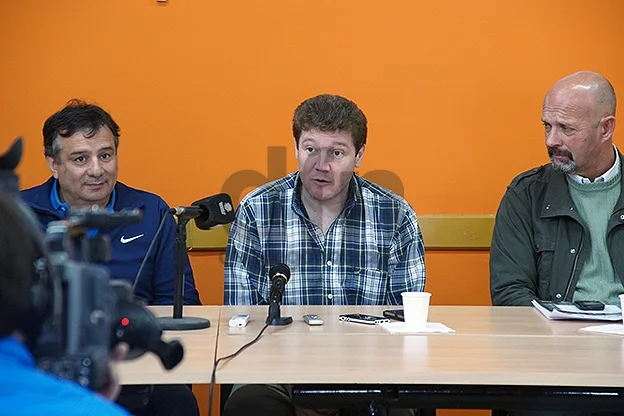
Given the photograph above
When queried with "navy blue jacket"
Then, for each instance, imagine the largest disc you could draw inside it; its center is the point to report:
(129, 243)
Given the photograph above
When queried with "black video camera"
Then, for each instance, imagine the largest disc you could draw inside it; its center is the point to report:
(88, 314)
(95, 313)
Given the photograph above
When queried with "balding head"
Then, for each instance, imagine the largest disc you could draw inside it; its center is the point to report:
(579, 120)
(586, 82)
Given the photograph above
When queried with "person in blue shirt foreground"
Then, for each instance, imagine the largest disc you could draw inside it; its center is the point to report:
(25, 390)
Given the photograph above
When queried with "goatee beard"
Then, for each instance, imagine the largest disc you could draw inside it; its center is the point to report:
(568, 167)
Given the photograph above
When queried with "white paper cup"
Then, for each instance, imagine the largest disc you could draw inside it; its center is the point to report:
(622, 304)
(416, 309)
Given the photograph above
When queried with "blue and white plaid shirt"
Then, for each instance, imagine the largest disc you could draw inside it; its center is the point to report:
(371, 253)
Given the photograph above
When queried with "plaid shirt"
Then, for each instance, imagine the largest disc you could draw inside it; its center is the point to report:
(371, 253)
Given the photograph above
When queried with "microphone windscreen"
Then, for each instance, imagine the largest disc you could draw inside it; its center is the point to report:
(218, 210)
(280, 268)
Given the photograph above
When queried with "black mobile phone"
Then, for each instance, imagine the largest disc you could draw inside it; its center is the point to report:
(396, 314)
(589, 305)
(362, 318)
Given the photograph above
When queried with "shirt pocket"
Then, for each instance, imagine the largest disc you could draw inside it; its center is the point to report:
(366, 287)
(545, 249)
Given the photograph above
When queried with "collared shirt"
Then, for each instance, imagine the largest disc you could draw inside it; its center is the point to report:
(605, 177)
(25, 390)
(370, 254)
(62, 208)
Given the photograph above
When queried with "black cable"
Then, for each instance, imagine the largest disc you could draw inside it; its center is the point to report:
(149, 249)
(228, 357)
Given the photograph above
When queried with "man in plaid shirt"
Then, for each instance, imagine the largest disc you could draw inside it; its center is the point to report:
(346, 240)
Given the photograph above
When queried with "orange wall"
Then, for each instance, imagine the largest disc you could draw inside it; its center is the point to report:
(202, 89)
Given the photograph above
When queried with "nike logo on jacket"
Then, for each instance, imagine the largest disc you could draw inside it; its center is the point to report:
(124, 240)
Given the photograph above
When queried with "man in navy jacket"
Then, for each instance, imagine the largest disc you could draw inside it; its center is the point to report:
(80, 146)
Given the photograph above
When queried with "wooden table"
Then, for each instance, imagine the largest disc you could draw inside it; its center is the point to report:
(509, 357)
(499, 354)
(199, 350)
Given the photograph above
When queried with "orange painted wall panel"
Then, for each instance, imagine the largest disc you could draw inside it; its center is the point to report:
(202, 89)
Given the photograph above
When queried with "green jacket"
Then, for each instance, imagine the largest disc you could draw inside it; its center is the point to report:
(540, 243)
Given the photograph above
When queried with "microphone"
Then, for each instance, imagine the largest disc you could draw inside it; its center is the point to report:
(279, 275)
(207, 212)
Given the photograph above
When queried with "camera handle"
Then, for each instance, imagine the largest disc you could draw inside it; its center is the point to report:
(179, 322)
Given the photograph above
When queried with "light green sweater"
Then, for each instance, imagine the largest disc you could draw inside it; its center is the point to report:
(595, 202)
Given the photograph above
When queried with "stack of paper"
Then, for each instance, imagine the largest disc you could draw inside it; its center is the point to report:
(566, 310)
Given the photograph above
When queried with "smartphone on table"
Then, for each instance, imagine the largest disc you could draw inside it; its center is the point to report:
(312, 319)
(589, 305)
(396, 314)
(363, 318)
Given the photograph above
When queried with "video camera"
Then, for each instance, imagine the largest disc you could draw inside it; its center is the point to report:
(88, 313)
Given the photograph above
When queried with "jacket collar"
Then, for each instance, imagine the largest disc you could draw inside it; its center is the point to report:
(39, 197)
(558, 201)
(62, 207)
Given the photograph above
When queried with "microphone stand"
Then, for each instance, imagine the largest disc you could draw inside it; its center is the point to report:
(275, 315)
(179, 322)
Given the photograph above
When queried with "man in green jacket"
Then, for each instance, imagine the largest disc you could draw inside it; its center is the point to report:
(559, 232)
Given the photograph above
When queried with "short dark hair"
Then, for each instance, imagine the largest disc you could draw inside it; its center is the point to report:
(330, 113)
(19, 250)
(76, 116)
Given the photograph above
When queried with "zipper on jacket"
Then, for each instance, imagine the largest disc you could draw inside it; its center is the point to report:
(578, 253)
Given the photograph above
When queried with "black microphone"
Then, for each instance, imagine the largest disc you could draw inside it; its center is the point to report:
(207, 212)
(279, 275)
